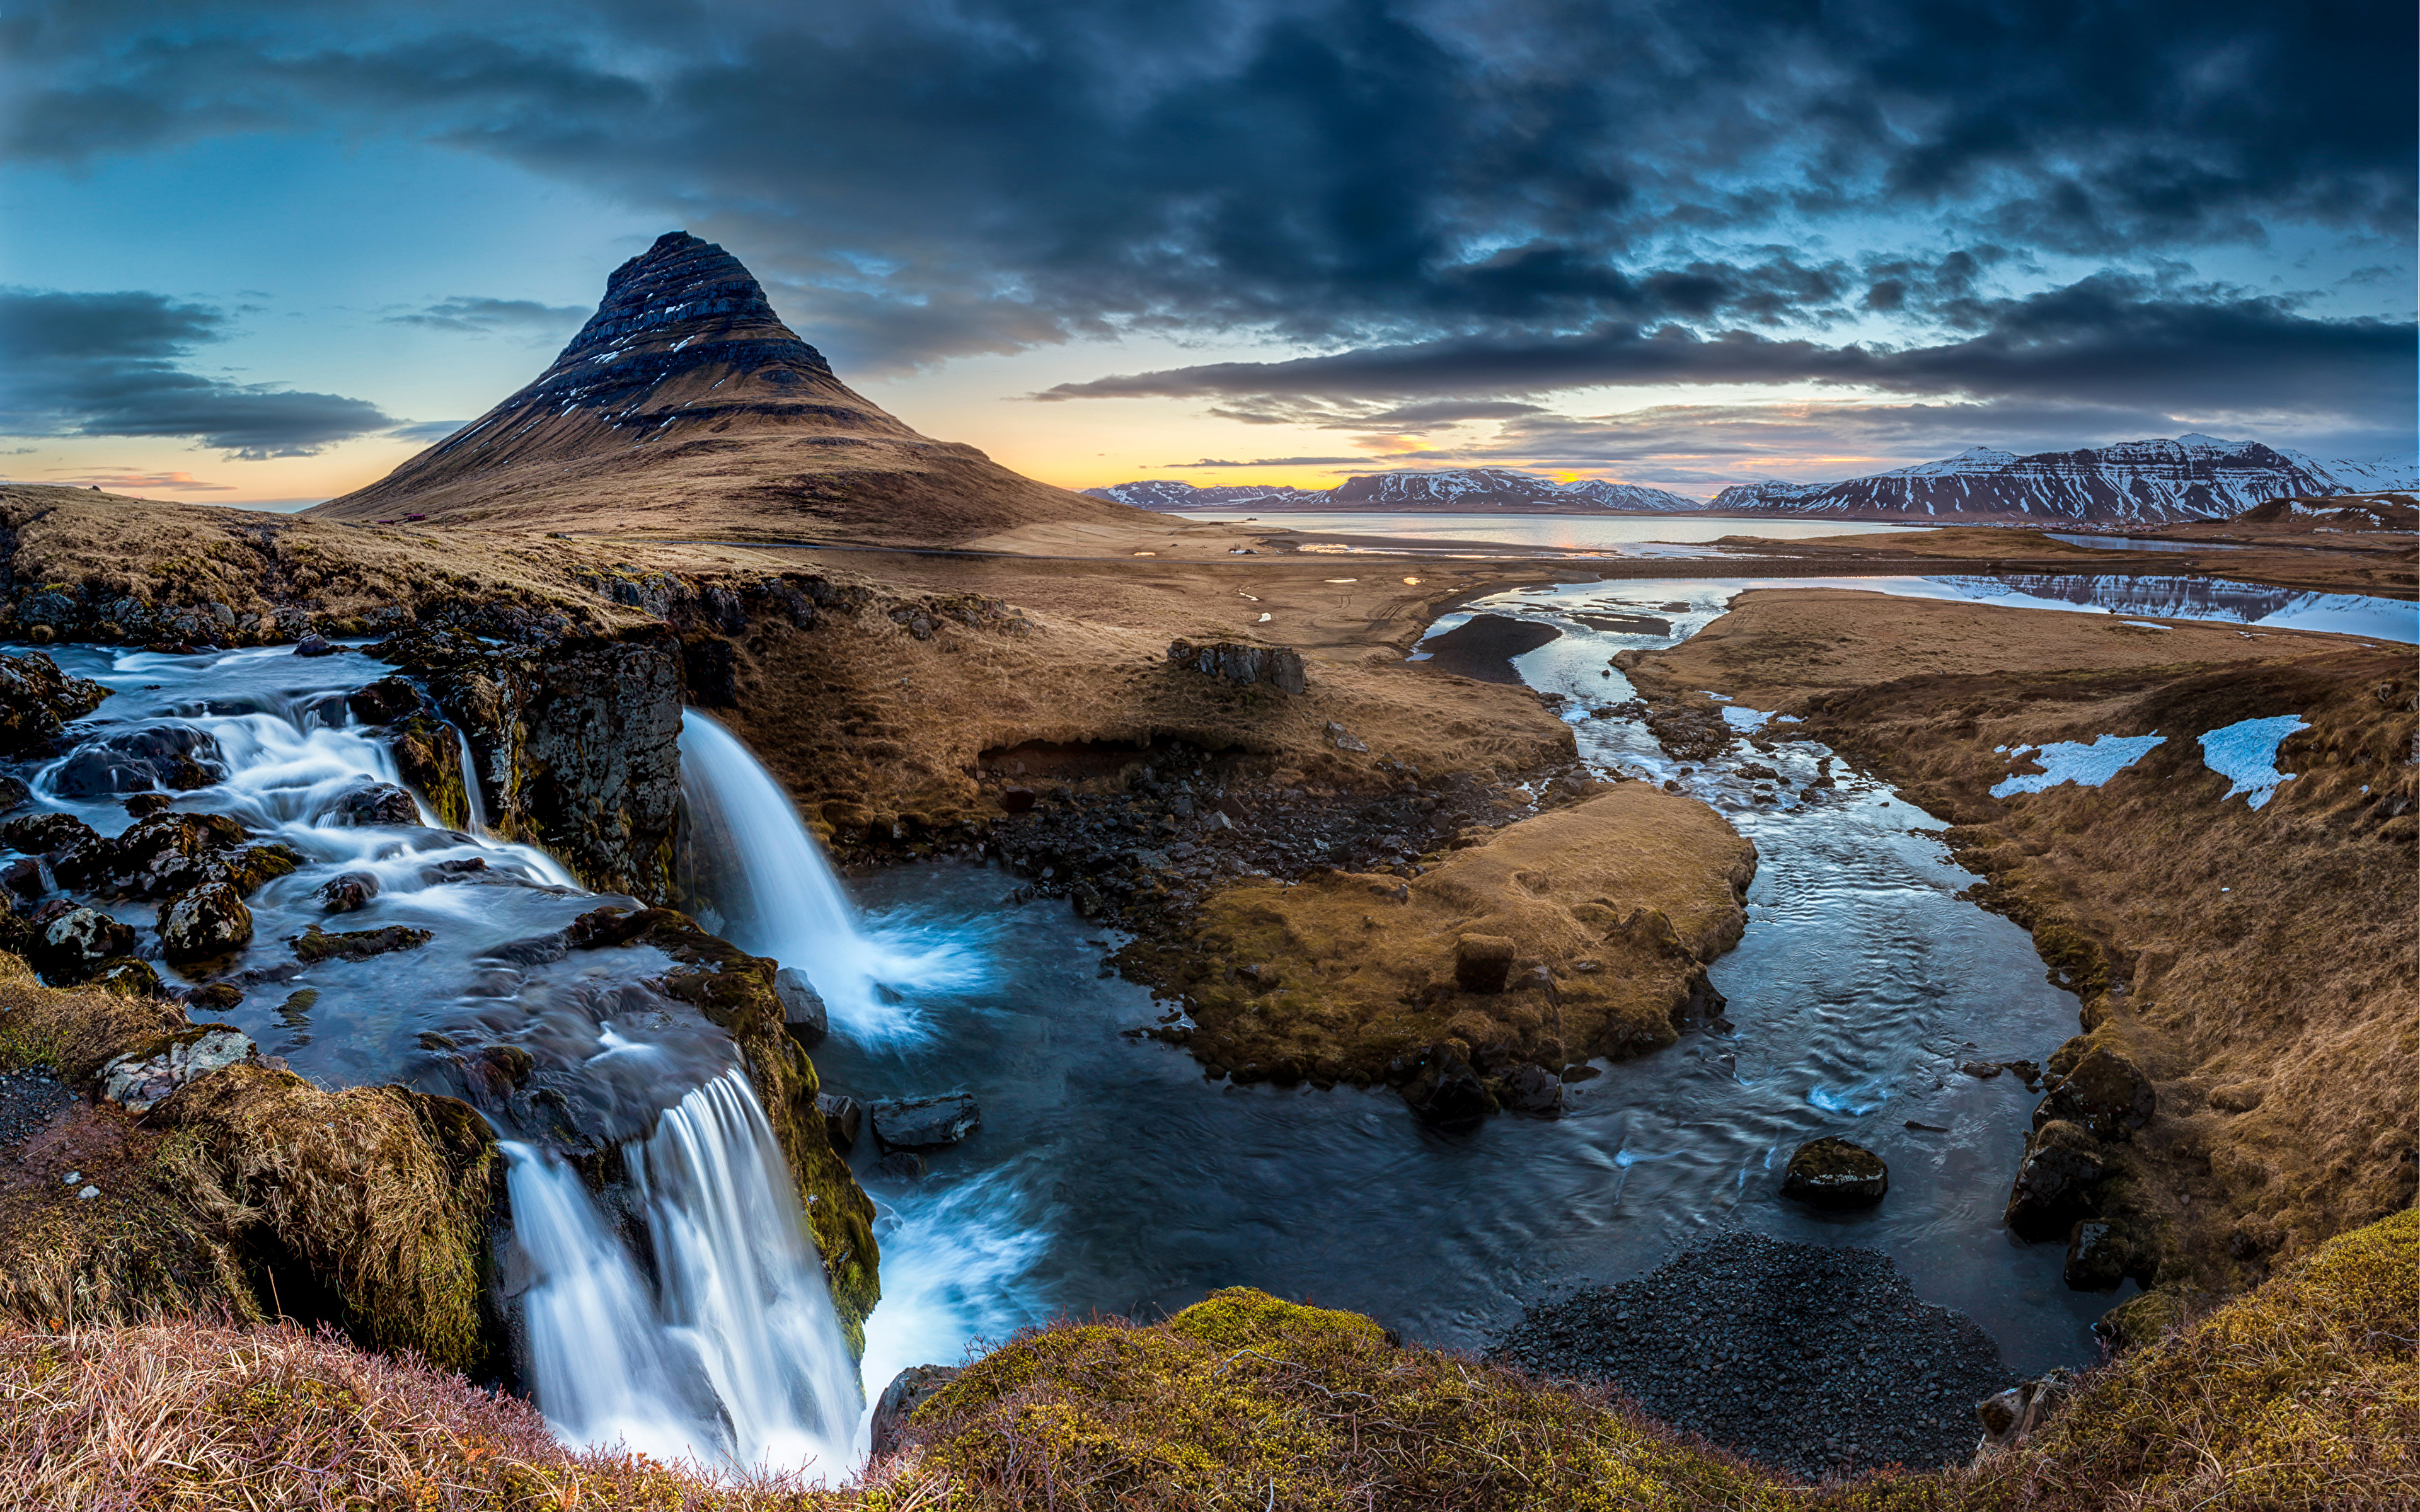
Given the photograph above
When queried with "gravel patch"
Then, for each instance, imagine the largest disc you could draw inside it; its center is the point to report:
(29, 1099)
(1811, 1360)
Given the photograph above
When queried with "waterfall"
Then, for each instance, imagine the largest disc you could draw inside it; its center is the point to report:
(475, 807)
(773, 893)
(732, 1355)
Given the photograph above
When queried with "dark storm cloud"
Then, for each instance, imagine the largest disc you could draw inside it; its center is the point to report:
(2108, 339)
(481, 315)
(1502, 175)
(107, 364)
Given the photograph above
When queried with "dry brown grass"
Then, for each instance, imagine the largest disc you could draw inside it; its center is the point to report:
(74, 1032)
(1641, 886)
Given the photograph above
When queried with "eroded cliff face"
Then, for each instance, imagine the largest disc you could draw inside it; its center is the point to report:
(574, 745)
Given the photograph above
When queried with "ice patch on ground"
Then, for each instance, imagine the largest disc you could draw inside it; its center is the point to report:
(1747, 719)
(2245, 753)
(2082, 763)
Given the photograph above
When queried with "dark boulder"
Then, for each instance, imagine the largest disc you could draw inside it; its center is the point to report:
(1447, 1092)
(925, 1122)
(128, 978)
(174, 757)
(907, 1391)
(71, 942)
(14, 794)
(208, 921)
(374, 803)
(48, 834)
(2062, 1164)
(347, 893)
(844, 1120)
(903, 1165)
(144, 804)
(384, 702)
(1835, 1173)
(37, 699)
(2098, 1257)
(313, 645)
(1532, 1089)
(803, 1007)
(315, 945)
(2105, 1093)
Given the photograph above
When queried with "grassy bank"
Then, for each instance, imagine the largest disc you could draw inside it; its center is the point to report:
(2301, 1395)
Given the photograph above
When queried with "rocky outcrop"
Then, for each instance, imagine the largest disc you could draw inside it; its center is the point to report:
(1835, 1173)
(71, 942)
(909, 1389)
(172, 756)
(803, 1012)
(1242, 661)
(575, 746)
(37, 699)
(139, 1079)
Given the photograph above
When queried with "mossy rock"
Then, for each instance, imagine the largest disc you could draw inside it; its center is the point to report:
(1835, 1173)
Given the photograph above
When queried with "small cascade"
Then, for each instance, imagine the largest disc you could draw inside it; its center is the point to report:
(474, 804)
(772, 893)
(732, 1355)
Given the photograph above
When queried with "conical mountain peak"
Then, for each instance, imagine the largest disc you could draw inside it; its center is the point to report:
(685, 403)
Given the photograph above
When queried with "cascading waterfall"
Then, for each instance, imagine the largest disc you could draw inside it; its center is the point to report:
(775, 895)
(734, 1353)
(474, 806)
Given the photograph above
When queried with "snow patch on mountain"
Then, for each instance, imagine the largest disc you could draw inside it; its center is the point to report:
(1475, 491)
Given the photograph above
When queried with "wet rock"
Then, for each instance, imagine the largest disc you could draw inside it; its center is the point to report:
(347, 893)
(803, 1007)
(2097, 1257)
(1240, 661)
(37, 699)
(1532, 1089)
(2054, 1180)
(599, 766)
(23, 881)
(844, 1120)
(213, 998)
(128, 978)
(170, 853)
(210, 920)
(907, 1391)
(373, 803)
(384, 702)
(925, 1122)
(71, 942)
(1482, 962)
(2010, 1415)
(314, 944)
(1835, 1173)
(14, 794)
(136, 1081)
(144, 804)
(2106, 1094)
(174, 757)
(313, 645)
(1446, 1092)
(47, 834)
(902, 1165)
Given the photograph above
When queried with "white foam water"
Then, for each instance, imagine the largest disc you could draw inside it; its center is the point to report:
(774, 894)
(732, 1355)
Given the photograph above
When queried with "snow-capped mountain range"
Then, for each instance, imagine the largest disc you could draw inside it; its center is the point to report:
(1454, 491)
(2127, 483)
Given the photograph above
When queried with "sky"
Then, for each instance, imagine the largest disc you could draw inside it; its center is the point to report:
(259, 253)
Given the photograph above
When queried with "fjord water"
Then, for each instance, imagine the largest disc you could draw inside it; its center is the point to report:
(721, 1344)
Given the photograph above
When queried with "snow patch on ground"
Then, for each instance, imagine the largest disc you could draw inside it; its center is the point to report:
(2085, 763)
(2245, 753)
(1750, 720)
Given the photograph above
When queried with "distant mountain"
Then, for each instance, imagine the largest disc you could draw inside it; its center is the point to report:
(1454, 491)
(685, 404)
(2129, 483)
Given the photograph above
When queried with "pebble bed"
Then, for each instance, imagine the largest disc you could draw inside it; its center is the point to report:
(1819, 1362)
(29, 1099)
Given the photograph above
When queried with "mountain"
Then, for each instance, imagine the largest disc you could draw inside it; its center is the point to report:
(686, 405)
(2129, 483)
(1460, 491)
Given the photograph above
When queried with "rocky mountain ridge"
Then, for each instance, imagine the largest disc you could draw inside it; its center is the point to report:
(2153, 482)
(1448, 490)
